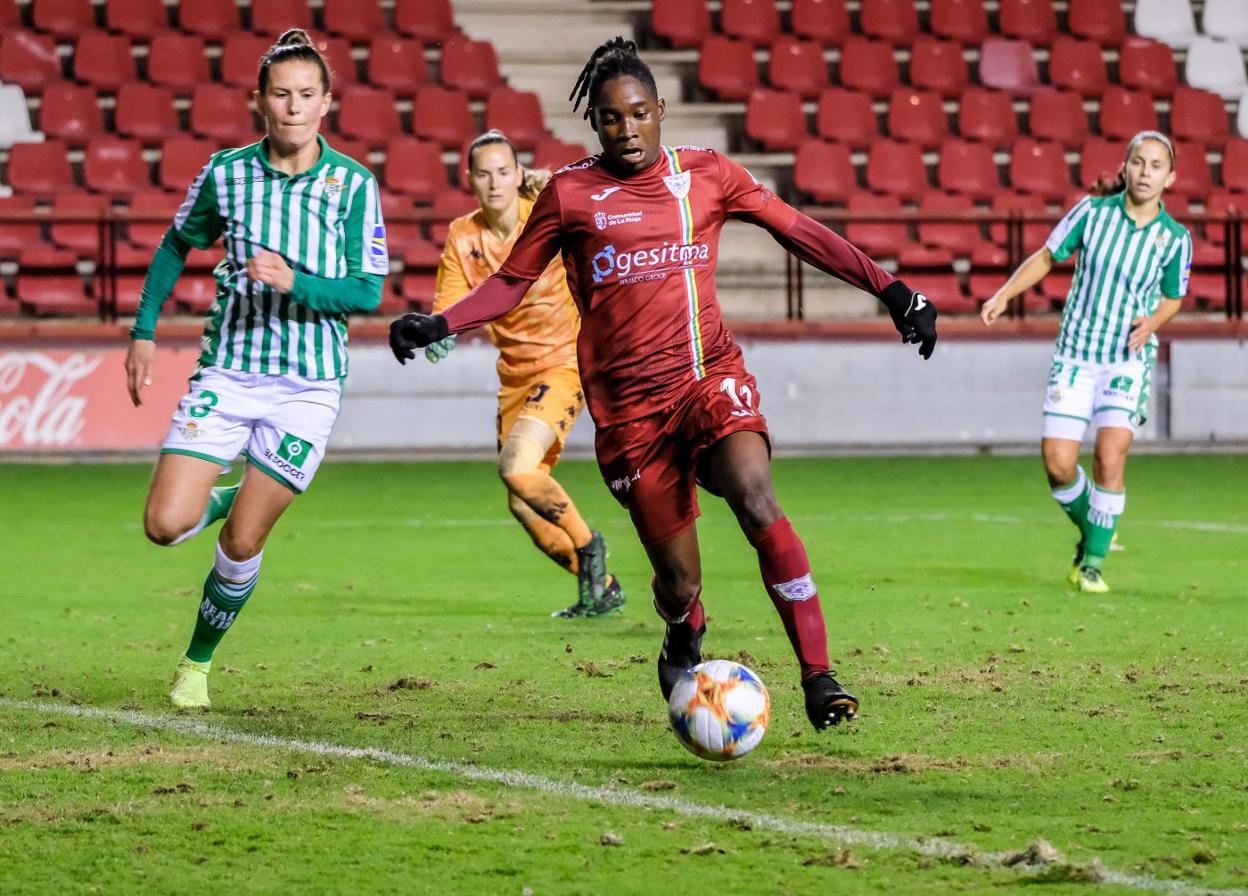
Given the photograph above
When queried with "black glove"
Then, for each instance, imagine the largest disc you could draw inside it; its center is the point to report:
(413, 331)
(913, 315)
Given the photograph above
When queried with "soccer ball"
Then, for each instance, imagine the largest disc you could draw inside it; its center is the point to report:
(719, 710)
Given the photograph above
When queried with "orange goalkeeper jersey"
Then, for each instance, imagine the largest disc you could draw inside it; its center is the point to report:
(541, 332)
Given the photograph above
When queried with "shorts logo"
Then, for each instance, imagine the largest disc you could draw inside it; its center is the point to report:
(678, 184)
(377, 245)
(191, 431)
(538, 393)
(1120, 384)
(622, 485)
(797, 590)
(1055, 395)
(294, 450)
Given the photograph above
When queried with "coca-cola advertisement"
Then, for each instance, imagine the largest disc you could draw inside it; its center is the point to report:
(72, 400)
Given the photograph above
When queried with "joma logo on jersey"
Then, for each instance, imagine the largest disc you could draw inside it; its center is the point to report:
(659, 260)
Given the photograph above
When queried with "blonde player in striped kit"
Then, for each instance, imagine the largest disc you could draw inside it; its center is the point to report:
(1133, 267)
(304, 246)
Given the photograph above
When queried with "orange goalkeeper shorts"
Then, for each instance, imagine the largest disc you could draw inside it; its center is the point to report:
(553, 396)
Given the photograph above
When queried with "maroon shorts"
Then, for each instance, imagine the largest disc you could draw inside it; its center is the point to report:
(651, 464)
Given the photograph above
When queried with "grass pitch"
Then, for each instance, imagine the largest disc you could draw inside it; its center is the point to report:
(401, 609)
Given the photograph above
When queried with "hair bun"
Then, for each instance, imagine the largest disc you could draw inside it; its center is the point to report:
(295, 37)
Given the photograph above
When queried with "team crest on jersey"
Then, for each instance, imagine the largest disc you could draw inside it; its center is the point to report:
(678, 184)
(1163, 239)
(600, 220)
(333, 186)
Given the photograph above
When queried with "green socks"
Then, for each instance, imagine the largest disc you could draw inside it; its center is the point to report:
(1075, 499)
(1104, 509)
(226, 590)
(219, 503)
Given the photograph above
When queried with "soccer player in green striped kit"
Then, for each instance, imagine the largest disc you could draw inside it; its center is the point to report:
(304, 246)
(1133, 267)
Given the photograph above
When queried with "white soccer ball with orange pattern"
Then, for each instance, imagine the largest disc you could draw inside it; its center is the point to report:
(719, 710)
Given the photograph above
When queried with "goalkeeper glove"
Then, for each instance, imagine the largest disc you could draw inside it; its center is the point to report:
(413, 331)
(913, 315)
(440, 349)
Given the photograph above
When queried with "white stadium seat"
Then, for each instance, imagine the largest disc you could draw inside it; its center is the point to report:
(1227, 19)
(1217, 66)
(1169, 21)
(14, 118)
(1241, 119)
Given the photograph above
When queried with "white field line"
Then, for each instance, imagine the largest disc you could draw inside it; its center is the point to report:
(928, 846)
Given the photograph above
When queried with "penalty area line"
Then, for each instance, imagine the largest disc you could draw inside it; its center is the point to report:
(935, 847)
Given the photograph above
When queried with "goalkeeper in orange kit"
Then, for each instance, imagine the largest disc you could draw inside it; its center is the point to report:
(540, 392)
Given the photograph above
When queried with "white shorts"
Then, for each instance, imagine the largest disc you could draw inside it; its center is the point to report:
(281, 423)
(1083, 392)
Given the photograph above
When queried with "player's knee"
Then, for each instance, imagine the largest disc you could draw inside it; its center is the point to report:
(240, 546)
(164, 528)
(1061, 470)
(678, 588)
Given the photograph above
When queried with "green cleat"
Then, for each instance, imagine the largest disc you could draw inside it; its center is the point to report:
(611, 600)
(220, 501)
(1090, 580)
(190, 685)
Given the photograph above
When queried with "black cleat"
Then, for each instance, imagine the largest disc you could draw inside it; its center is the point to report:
(682, 650)
(827, 702)
(611, 600)
(591, 569)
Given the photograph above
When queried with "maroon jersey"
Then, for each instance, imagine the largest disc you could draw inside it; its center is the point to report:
(640, 254)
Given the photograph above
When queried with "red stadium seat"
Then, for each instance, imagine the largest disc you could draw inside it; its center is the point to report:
(222, 112)
(240, 58)
(968, 168)
(55, 295)
(70, 112)
(368, 114)
(160, 207)
(40, 168)
(963, 21)
(754, 21)
(1235, 165)
(844, 116)
(938, 65)
(517, 113)
(896, 168)
(470, 66)
(145, 112)
(917, 116)
(1008, 65)
(1099, 159)
(1200, 116)
(943, 289)
(775, 119)
(429, 20)
(1124, 113)
(826, 22)
(28, 59)
(917, 255)
(414, 167)
(46, 258)
(16, 238)
(104, 60)
(1147, 65)
(824, 172)
(876, 238)
(1058, 115)
(63, 18)
(271, 17)
(137, 18)
(115, 167)
(418, 290)
(355, 149)
(1032, 21)
(177, 60)
(337, 53)
(1192, 175)
(1040, 168)
(893, 21)
(9, 17)
(987, 115)
(1102, 21)
(356, 21)
(1220, 202)
(960, 239)
(208, 18)
(82, 237)
(443, 116)
(181, 159)
(1031, 204)
(397, 63)
(727, 69)
(1077, 65)
(1055, 287)
(195, 293)
(868, 65)
(797, 66)
(682, 23)
(550, 153)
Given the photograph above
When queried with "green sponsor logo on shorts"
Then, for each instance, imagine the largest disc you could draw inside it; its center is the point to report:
(1120, 384)
(294, 450)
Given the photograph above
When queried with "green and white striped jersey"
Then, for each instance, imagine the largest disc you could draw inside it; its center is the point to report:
(1122, 273)
(326, 221)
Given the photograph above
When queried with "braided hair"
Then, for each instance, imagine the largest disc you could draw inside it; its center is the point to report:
(616, 58)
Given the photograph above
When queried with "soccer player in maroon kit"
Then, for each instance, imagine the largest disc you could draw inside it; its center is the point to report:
(638, 228)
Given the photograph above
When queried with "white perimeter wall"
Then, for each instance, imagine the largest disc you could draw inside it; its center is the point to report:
(815, 394)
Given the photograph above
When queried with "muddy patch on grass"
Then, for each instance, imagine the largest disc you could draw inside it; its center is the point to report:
(451, 805)
(915, 763)
(86, 761)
